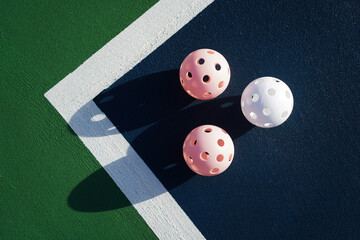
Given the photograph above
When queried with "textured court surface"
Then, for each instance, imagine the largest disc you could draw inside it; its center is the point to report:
(297, 181)
(45, 188)
(300, 180)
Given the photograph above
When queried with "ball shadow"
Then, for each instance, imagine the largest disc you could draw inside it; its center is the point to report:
(153, 114)
(97, 193)
(160, 146)
(136, 103)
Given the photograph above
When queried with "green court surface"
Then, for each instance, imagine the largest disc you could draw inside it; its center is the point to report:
(46, 191)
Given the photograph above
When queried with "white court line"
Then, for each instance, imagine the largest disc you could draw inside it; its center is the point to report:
(72, 97)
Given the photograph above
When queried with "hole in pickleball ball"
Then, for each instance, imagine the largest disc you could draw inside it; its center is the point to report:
(271, 91)
(221, 84)
(214, 170)
(193, 142)
(267, 124)
(200, 61)
(208, 130)
(287, 94)
(221, 142)
(204, 155)
(206, 79)
(284, 114)
(253, 115)
(208, 94)
(267, 111)
(217, 67)
(255, 97)
(220, 157)
(191, 161)
(188, 75)
(210, 52)
(230, 157)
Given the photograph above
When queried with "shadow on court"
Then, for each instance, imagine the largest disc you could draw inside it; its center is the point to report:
(135, 104)
(154, 115)
(300, 179)
(96, 193)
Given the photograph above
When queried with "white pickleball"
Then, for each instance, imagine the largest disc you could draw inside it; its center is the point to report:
(267, 102)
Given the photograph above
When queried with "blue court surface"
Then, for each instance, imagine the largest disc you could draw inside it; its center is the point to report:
(300, 180)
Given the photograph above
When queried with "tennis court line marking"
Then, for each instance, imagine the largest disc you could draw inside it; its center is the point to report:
(72, 98)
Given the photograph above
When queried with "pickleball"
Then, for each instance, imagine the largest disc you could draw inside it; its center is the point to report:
(204, 74)
(267, 102)
(208, 150)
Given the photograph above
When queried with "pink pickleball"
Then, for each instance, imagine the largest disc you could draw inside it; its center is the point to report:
(204, 74)
(208, 150)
